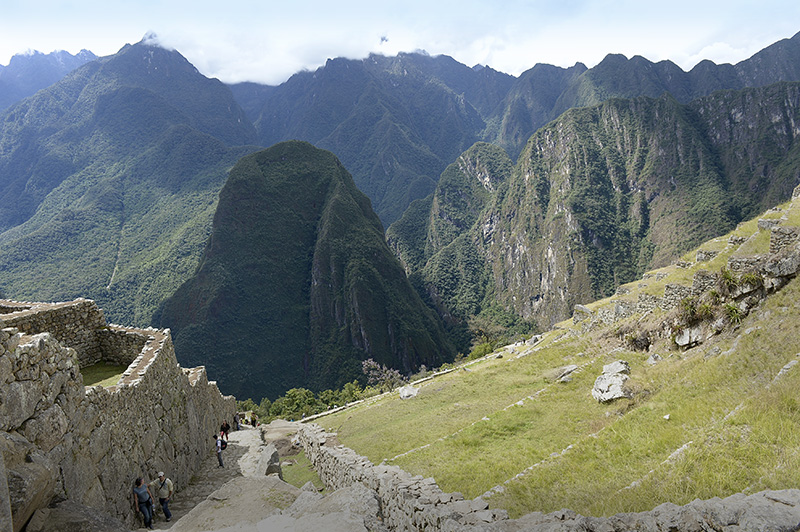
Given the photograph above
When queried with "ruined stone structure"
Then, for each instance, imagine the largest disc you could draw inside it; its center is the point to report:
(62, 441)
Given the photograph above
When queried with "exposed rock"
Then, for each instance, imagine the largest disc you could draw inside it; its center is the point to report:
(5, 502)
(566, 372)
(581, 313)
(408, 391)
(611, 384)
(689, 336)
(653, 359)
(68, 516)
(239, 503)
(774, 511)
(618, 366)
(610, 387)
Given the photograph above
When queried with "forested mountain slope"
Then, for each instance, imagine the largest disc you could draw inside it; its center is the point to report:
(397, 122)
(109, 180)
(28, 73)
(297, 285)
(599, 196)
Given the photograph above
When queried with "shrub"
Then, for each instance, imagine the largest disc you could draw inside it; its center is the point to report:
(752, 279)
(727, 281)
(733, 314)
(384, 378)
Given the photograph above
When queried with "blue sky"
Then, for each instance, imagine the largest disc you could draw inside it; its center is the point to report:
(267, 41)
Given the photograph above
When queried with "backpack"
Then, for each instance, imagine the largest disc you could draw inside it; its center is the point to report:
(223, 444)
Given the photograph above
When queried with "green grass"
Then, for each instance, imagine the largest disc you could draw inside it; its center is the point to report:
(736, 431)
(301, 472)
(102, 374)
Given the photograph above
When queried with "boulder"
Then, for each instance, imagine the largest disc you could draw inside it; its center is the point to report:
(269, 461)
(408, 391)
(611, 384)
(689, 336)
(619, 366)
(610, 387)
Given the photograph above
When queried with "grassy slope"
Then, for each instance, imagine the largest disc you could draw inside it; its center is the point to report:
(474, 429)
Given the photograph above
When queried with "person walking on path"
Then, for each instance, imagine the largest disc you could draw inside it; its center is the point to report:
(224, 429)
(163, 487)
(143, 502)
(236, 421)
(220, 447)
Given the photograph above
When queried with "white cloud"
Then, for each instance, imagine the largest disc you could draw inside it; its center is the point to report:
(268, 41)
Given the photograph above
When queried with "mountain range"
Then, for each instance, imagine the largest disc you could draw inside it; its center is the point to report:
(512, 197)
(28, 73)
(397, 122)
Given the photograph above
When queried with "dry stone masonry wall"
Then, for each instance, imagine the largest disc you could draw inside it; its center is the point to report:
(60, 440)
(408, 503)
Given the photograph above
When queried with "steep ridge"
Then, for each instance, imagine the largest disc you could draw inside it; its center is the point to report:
(124, 152)
(297, 285)
(524, 111)
(604, 193)
(396, 122)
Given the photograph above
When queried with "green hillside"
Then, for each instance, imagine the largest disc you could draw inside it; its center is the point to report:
(710, 420)
(596, 198)
(109, 180)
(297, 285)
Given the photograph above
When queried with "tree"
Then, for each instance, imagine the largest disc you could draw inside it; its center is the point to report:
(384, 378)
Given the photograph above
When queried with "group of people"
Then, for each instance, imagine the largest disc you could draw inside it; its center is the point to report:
(144, 501)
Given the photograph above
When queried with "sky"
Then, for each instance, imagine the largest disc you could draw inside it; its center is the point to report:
(268, 41)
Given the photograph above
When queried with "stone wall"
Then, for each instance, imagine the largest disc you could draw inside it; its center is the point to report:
(673, 295)
(74, 324)
(408, 502)
(782, 237)
(60, 440)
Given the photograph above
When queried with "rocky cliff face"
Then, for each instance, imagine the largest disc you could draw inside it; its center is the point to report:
(604, 193)
(297, 285)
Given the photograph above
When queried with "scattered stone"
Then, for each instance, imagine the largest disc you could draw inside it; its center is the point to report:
(653, 359)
